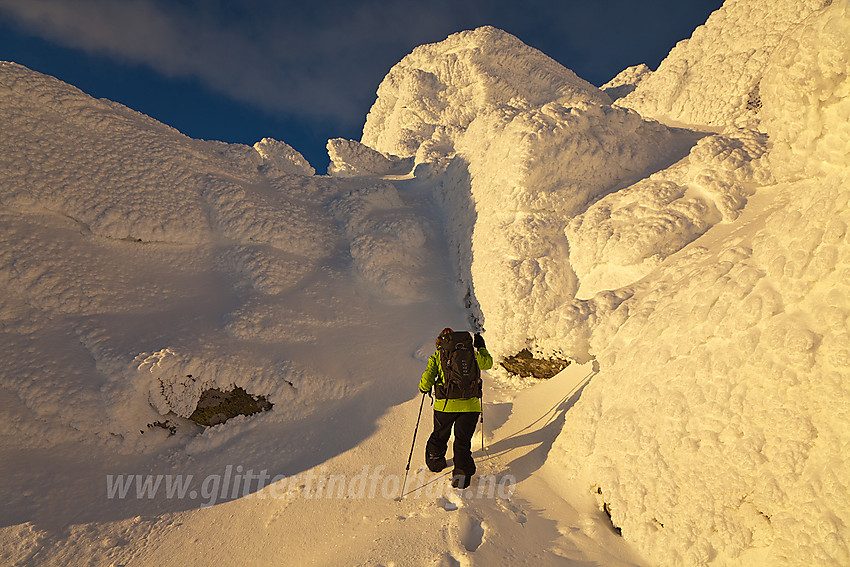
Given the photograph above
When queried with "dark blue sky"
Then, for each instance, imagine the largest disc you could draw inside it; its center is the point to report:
(303, 72)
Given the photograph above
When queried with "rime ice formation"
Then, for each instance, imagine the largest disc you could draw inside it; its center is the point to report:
(626, 81)
(714, 431)
(805, 93)
(713, 77)
(521, 145)
(350, 158)
(283, 158)
(434, 93)
(623, 236)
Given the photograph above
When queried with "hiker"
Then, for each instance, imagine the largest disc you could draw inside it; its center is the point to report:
(458, 400)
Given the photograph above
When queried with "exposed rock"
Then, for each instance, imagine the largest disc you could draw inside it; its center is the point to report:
(216, 407)
(524, 364)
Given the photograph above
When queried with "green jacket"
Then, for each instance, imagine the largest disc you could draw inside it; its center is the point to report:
(434, 375)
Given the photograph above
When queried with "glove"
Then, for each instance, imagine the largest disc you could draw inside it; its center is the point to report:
(478, 341)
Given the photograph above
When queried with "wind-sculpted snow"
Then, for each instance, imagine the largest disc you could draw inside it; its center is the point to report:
(519, 145)
(117, 172)
(125, 239)
(626, 81)
(625, 235)
(714, 432)
(713, 77)
(436, 91)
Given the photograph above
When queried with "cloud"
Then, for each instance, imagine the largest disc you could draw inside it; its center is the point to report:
(323, 59)
(314, 59)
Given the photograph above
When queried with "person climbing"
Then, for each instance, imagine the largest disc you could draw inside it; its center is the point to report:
(454, 371)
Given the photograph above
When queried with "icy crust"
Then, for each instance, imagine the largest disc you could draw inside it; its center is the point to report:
(438, 89)
(713, 77)
(623, 236)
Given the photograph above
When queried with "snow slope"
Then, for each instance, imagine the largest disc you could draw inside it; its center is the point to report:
(715, 324)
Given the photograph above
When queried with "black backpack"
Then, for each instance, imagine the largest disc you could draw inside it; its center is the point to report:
(460, 367)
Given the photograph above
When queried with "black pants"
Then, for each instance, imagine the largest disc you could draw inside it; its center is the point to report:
(464, 426)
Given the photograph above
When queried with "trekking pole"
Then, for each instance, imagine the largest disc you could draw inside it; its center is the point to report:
(410, 457)
(482, 427)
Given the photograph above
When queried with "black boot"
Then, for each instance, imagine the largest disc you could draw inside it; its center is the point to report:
(435, 463)
(460, 479)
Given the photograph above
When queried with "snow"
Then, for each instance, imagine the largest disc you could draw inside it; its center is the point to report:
(525, 156)
(713, 77)
(282, 158)
(350, 158)
(625, 235)
(626, 81)
(433, 94)
(696, 276)
(806, 107)
(736, 349)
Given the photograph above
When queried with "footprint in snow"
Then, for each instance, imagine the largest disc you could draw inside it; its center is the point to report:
(471, 531)
(515, 511)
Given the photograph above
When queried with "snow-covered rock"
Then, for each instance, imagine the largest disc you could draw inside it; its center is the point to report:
(437, 90)
(350, 158)
(713, 77)
(283, 158)
(106, 213)
(530, 172)
(519, 145)
(626, 81)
